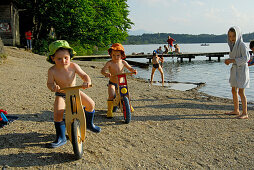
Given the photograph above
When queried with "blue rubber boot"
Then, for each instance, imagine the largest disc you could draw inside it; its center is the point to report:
(89, 122)
(60, 135)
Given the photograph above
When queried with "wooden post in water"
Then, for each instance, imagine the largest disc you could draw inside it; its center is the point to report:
(215, 55)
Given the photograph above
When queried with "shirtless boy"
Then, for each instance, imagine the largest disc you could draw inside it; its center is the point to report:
(63, 74)
(115, 66)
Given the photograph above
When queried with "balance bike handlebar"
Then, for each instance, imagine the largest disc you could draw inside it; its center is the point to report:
(75, 87)
(123, 74)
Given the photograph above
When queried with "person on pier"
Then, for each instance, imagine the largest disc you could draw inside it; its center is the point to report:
(177, 49)
(170, 43)
(166, 50)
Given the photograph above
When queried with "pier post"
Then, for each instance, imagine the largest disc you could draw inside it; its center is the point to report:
(219, 56)
(215, 55)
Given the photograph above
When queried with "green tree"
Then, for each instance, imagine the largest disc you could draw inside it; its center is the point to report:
(91, 22)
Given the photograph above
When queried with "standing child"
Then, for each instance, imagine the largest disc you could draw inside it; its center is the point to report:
(156, 65)
(29, 36)
(239, 73)
(63, 74)
(114, 66)
(170, 42)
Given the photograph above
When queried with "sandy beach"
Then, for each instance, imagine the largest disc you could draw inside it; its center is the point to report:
(170, 129)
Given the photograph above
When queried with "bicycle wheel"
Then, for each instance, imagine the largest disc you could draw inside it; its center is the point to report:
(76, 139)
(126, 110)
(115, 108)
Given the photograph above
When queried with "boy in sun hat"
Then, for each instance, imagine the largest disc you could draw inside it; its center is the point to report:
(63, 74)
(54, 46)
(115, 66)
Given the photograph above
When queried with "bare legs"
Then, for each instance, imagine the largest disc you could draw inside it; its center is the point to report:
(236, 111)
(236, 101)
(111, 92)
(59, 106)
(244, 103)
(153, 70)
(162, 75)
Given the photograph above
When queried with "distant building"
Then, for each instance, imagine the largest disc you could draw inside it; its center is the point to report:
(9, 23)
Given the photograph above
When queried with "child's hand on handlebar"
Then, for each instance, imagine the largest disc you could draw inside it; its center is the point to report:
(86, 85)
(56, 88)
(107, 75)
(135, 71)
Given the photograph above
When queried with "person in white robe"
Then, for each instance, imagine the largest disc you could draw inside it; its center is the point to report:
(239, 73)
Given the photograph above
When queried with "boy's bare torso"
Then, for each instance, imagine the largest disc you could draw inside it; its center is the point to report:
(64, 77)
(115, 68)
(155, 60)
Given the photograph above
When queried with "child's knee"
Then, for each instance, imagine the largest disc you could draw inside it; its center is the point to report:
(241, 93)
(58, 115)
(90, 106)
(233, 90)
(111, 96)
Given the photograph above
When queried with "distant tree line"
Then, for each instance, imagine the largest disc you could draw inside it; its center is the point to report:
(161, 38)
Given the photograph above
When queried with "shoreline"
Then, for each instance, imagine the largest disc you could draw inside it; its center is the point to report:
(170, 129)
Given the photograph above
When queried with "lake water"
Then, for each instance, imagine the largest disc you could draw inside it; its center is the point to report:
(214, 74)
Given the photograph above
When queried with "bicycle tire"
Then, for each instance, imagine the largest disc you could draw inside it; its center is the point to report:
(76, 139)
(126, 110)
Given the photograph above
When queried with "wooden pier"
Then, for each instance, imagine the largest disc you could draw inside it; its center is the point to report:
(191, 56)
(180, 56)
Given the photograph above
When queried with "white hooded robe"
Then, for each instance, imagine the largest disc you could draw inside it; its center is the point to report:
(239, 73)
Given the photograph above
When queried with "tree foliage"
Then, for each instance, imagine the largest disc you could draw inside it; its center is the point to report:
(93, 22)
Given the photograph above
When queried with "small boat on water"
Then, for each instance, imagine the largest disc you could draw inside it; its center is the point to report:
(204, 44)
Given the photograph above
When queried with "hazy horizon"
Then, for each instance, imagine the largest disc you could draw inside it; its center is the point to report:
(191, 17)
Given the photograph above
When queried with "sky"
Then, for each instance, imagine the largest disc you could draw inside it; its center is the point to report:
(191, 16)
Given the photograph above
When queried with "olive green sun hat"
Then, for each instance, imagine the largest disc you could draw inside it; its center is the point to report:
(54, 46)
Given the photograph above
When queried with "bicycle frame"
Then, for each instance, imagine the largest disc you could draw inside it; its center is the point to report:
(122, 90)
(74, 110)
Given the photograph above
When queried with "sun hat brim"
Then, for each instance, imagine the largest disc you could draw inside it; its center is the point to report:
(117, 47)
(54, 46)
